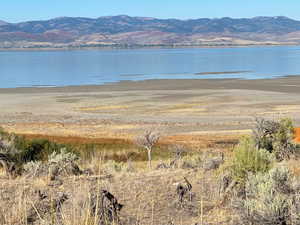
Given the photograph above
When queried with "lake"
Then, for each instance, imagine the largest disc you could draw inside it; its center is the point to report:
(85, 67)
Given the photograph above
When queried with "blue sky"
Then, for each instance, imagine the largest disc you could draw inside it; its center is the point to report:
(22, 10)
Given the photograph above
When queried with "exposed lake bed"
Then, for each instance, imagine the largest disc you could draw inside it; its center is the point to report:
(174, 107)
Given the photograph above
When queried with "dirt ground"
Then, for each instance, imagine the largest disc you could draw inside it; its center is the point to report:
(171, 107)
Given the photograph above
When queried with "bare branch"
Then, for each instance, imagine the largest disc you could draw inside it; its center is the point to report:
(148, 140)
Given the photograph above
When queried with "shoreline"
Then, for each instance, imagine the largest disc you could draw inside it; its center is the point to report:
(143, 47)
(288, 83)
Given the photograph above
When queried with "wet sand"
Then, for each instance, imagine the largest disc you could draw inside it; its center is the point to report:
(172, 107)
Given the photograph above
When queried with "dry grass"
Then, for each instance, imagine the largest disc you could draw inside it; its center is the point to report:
(204, 142)
(103, 108)
(149, 195)
(293, 165)
(146, 202)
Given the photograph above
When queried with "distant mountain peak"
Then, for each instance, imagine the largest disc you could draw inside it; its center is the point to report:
(3, 23)
(117, 16)
(61, 17)
(146, 18)
(123, 16)
(272, 17)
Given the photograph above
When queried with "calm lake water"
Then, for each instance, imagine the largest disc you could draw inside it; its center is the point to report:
(82, 67)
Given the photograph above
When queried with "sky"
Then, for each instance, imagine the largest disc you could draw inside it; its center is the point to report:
(25, 10)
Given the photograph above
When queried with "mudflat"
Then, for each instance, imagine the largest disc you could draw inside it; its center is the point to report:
(172, 107)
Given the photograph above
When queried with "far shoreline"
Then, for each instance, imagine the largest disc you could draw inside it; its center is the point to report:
(286, 84)
(33, 49)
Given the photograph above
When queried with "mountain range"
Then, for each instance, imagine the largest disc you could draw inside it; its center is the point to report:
(129, 31)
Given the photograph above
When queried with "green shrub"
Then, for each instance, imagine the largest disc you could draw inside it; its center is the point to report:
(113, 166)
(38, 149)
(4, 134)
(275, 137)
(190, 161)
(34, 169)
(61, 163)
(269, 198)
(21, 150)
(248, 159)
(34, 150)
(283, 145)
(62, 156)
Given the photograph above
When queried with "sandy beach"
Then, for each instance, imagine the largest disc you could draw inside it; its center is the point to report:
(172, 107)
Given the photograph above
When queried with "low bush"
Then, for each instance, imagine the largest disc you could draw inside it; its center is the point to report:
(248, 159)
(190, 161)
(283, 144)
(62, 163)
(63, 156)
(112, 166)
(22, 150)
(37, 149)
(35, 169)
(275, 137)
(270, 199)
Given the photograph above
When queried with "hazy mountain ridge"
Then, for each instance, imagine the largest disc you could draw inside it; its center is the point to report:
(3, 23)
(126, 30)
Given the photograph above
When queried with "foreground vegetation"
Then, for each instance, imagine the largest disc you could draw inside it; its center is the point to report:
(47, 182)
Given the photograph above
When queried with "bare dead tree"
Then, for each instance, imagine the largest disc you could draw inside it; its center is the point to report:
(147, 141)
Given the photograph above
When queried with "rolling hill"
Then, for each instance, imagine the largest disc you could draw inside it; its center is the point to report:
(144, 31)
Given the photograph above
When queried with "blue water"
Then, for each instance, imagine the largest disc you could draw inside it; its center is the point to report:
(83, 67)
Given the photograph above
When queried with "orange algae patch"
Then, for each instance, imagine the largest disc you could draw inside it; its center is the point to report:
(297, 135)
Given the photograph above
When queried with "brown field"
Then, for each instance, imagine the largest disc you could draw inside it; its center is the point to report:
(192, 141)
(171, 107)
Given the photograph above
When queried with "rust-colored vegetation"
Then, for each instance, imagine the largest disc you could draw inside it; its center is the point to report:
(297, 135)
(121, 150)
